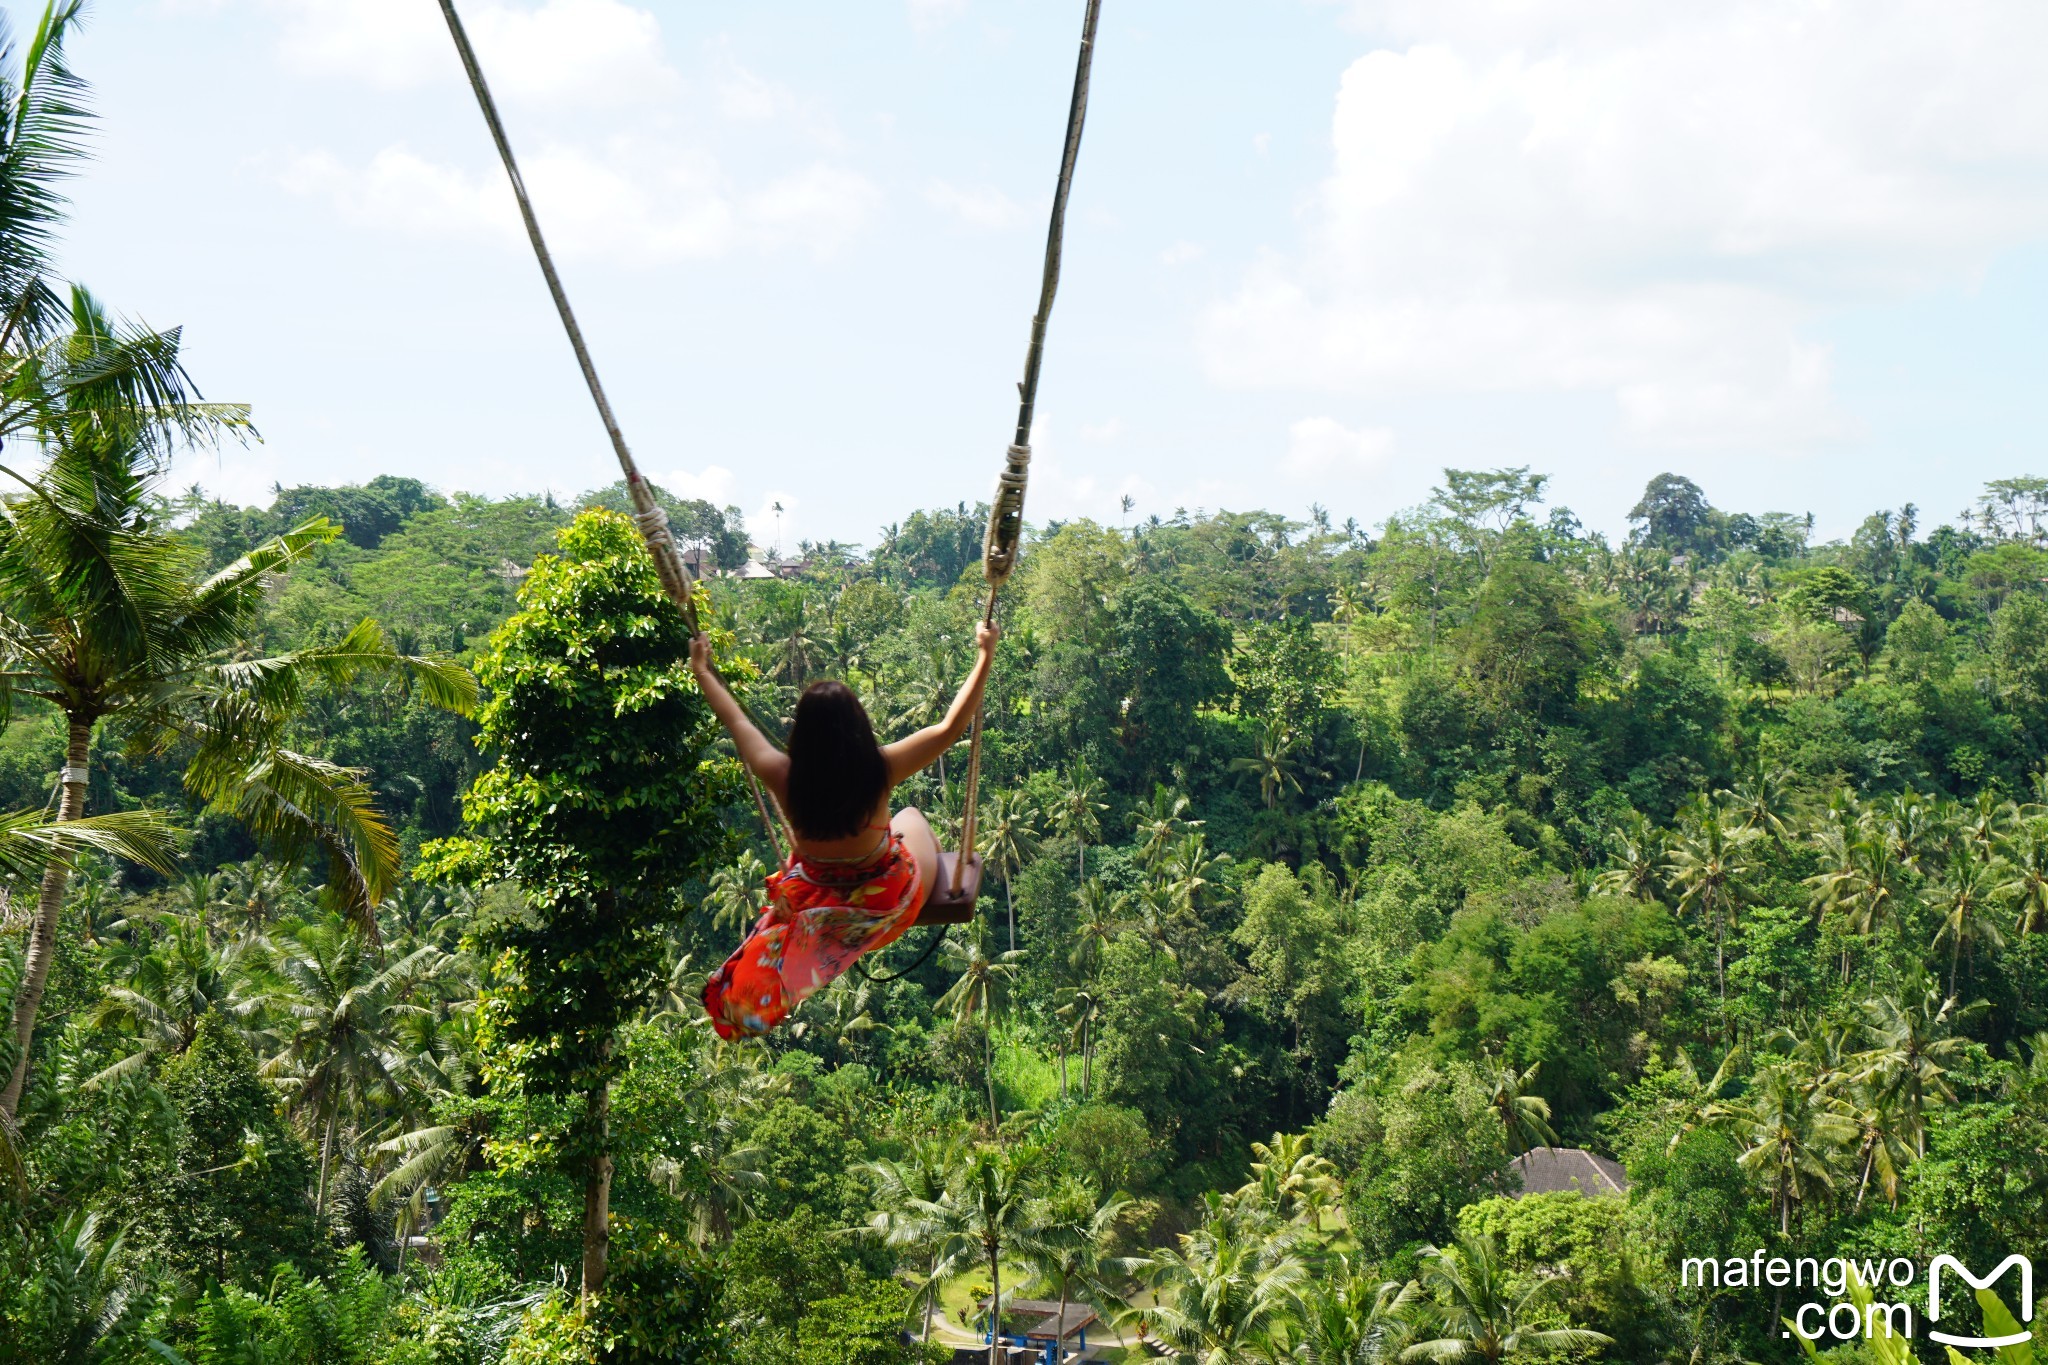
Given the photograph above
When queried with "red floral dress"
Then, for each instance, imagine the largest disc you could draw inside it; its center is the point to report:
(818, 920)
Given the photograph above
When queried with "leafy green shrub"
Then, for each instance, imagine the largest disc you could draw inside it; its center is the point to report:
(661, 1303)
(555, 1332)
(298, 1321)
(660, 1306)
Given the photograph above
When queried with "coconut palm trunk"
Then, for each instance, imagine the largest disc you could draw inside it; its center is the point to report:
(988, 1054)
(42, 945)
(326, 1157)
(597, 1193)
(995, 1303)
(1087, 1062)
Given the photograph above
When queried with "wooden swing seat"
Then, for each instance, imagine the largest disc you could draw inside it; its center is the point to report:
(944, 905)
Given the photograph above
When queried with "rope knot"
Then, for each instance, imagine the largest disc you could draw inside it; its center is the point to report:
(653, 524)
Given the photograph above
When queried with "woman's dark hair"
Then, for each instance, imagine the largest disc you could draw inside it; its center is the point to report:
(836, 770)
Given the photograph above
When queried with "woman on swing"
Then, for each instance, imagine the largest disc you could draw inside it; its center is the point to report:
(856, 875)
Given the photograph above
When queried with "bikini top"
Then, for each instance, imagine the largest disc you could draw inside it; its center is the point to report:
(857, 860)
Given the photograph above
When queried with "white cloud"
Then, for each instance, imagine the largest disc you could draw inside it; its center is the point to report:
(1321, 447)
(714, 485)
(1181, 253)
(585, 51)
(1655, 202)
(981, 207)
(930, 14)
(633, 202)
(817, 209)
(1103, 432)
(399, 189)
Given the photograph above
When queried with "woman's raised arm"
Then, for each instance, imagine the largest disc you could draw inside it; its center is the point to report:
(769, 763)
(916, 752)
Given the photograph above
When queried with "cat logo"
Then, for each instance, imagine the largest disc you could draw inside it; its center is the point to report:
(2026, 1298)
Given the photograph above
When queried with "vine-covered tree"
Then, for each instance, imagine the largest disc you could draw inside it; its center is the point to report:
(604, 801)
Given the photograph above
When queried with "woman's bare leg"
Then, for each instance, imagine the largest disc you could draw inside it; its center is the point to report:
(923, 845)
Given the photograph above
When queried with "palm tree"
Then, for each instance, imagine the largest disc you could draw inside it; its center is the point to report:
(1080, 1009)
(101, 612)
(59, 375)
(735, 897)
(1482, 1319)
(343, 1008)
(2024, 855)
(1861, 886)
(915, 1214)
(106, 616)
(1069, 1241)
(1524, 1117)
(1639, 866)
(1156, 910)
(1009, 839)
(982, 993)
(1882, 1147)
(91, 1305)
(1190, 870)
(1102, 915)
(1985, 823)
(1910, 825)
(1223, 1294)
(1078, 811)
(1792, 1132)
(29, 843)
(835, 1016)
(1761, 799)
(989, 1194)
(1967, 924)
(1274, 762)
(1351, 1319)
(1705, 862)
(256, 889)
(1912, 1046)
(718, 1170)
(788, 638)
(1300, 1180)
(1160, 824)
(165, 991)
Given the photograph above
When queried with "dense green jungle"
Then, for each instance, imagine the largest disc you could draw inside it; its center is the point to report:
(363, 856)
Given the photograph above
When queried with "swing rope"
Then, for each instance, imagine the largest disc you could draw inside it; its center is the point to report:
(648, 514)
(1006, 510)
(653, 521)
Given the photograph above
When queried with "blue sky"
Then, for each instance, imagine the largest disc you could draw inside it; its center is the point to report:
(1796, 250)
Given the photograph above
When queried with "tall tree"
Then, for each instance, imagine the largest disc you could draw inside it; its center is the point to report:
(605, 801)
(1077, 812)
(1705, 862)
(1223, 1293)
(344, 1007)
(992, 1209)
(1069, 1237)
(1009, 840)
(101, 612)
(1482, 1318)
(105, 614)
(1913, 1043)
(981, 994)
(1793, 1133)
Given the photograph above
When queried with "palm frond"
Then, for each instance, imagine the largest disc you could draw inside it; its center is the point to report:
(28, 843)
(299, 804)
(43, 119)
